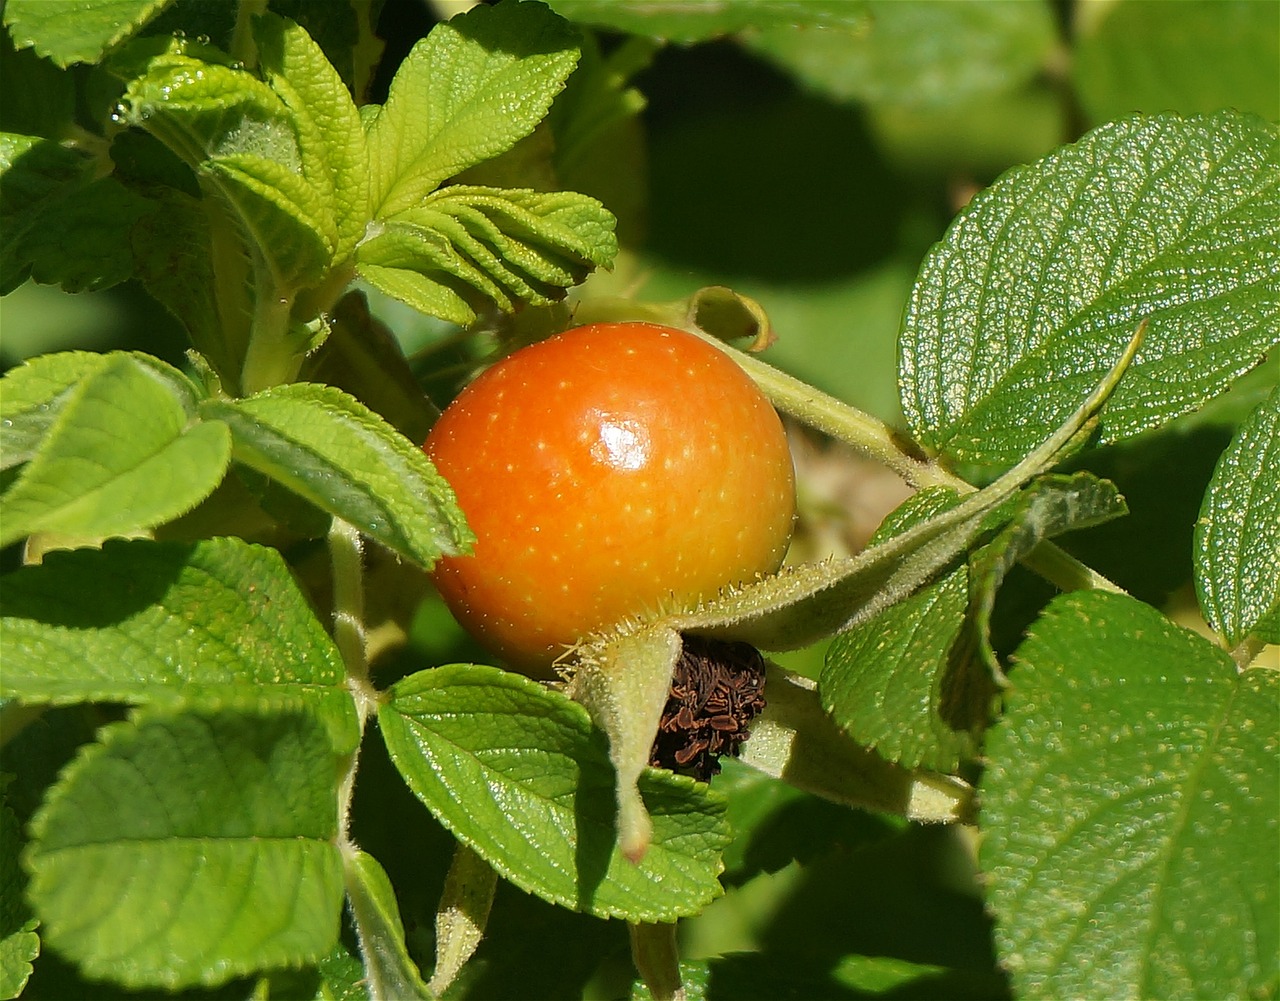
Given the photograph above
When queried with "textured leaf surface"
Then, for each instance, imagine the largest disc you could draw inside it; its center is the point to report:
(76, 31)
(470, 245)
(342, 457)
(1047, 272)
(1202, 55)
(518, 774)
(1238, 533)
(1129, 811)
(121, 455)
(188, 849)
(917, 683)
(32, 395)
(214, 623)
(1049, 507)
(465, 93)
(332, 148)
(245, 140)
(883, 680)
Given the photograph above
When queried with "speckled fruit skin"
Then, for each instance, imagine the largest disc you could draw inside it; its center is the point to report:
(611, 470)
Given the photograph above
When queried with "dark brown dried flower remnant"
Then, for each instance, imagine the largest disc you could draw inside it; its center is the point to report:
(717, 689)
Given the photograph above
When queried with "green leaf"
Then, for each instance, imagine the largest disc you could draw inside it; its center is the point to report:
(1048, 271)
(388, 968)
(918, 682)
(893, 683)
(1237, 538)
(1200, 56)
(480, 245)
(467, 92)
(60, 226)
(187, 849)
(1047, 508)
(518, 774)
(32, 394)
(174, 252)
(332, 146)
(212, 624)
(1129, 811)
(19, 943)
(122, 455)
(362, 356)
(883, 681)
(77, 31)
(462, 915)
(697, 22)
(339, 455)
(48, 93)
(927, 53)
(244, 140)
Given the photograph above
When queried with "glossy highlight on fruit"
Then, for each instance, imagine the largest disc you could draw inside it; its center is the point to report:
(609, 471)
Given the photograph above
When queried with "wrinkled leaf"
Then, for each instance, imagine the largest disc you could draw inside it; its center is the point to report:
(121, 455)
(214, 623)
(1046, 272)
(478, 245)
(1129, 811)
(467, 92)
(187, 849)
(76, 31)
(1238, 532)
(337, 454)
(59, 225)
(332, 147)
(518, 774)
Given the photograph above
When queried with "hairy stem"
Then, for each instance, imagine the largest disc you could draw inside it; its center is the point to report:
(346, 555)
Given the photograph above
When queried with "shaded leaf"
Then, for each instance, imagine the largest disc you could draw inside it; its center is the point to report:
(212, 623)
(1129, 811)
(1047, 508)
(19, 942)
(927, 53)
(697, 22)
(187, 849)
(60, 225)
(388, 969)
(244, 140)
(1139, 55)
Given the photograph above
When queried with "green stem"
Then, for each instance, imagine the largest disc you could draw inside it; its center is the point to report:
(275, 351)
(346, 555)
(877, 440)
(657, 959)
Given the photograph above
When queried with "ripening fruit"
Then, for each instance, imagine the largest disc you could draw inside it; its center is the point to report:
(609, 471)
